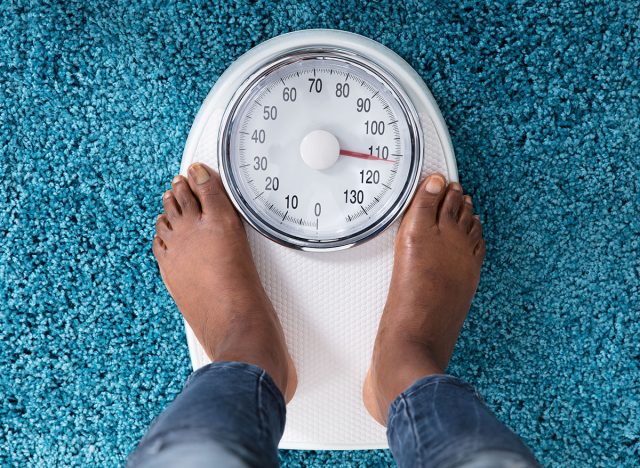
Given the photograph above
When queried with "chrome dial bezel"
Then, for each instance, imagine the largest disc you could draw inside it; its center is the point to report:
(244, 206)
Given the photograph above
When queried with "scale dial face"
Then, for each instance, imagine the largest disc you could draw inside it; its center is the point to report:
(320, 150)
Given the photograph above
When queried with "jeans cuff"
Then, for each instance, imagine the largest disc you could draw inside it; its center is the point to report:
(256, 371)
(443, 419)
(204, 412)
(423, 382)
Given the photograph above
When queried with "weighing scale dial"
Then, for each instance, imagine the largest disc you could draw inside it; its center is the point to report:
(320, 149)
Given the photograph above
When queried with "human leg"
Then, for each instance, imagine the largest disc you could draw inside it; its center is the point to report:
(438, 255)
(233, 408)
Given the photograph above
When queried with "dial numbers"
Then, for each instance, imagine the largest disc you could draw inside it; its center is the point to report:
(322, 202)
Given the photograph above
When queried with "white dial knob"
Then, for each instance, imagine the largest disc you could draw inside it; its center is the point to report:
(319, 149)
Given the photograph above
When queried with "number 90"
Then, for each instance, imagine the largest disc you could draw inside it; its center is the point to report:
(363, 105)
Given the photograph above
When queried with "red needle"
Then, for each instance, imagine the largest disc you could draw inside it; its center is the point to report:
(355, 154)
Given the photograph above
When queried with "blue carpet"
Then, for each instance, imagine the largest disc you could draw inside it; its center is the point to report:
(96, 100)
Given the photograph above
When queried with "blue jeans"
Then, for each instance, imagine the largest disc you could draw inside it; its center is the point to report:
(231, 414)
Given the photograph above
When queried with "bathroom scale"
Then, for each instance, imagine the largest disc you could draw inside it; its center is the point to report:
(321, 138)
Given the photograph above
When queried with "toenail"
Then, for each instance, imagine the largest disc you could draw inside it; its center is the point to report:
(435, 184)
(199, 173)
(166, 195)
(467, 200)
(456, 186)
(176, 179)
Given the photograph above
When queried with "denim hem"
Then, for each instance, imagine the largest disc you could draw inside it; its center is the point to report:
(441, 420)
(232, 404)
(425, 382)
(251, 369)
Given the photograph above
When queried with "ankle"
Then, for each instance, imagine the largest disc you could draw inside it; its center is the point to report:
(392, 376)
(273, 359)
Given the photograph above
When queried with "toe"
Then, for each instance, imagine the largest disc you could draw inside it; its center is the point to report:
(475, 233)
(163, 226)
(189, 205)
(207, 185)
(466, 216)
(423, 210)
(451, 207)
(480, 249)
(171, 206)
(158, 246)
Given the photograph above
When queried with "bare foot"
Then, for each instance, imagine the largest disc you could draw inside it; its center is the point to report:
(206, 264)
(438, 254)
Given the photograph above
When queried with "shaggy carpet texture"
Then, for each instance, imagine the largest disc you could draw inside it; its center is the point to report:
(96, 99)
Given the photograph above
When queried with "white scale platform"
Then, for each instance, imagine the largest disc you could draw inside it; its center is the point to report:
(329, 303)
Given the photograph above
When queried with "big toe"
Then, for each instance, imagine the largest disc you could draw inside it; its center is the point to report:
(423, 211)
(207, 186)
